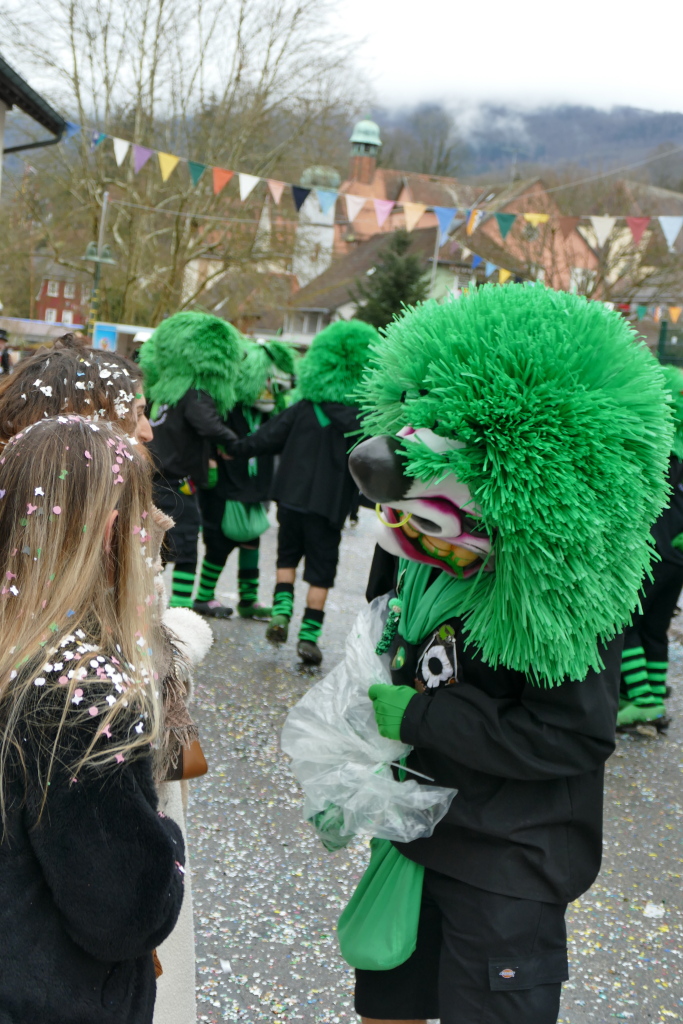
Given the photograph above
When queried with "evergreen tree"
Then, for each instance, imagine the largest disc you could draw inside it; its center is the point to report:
(398, 281)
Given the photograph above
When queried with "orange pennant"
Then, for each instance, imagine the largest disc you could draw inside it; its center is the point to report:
(473, 220)
(412, 213)
(674, 313)
(220, 179)
(276, 189)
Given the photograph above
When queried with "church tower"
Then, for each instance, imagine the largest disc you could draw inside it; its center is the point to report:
(365, 142)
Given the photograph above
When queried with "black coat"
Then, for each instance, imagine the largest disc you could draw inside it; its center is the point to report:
(670, 522)
(235, 481)
(184, 436)
(528, 763)
(313, 472)
(87, 891)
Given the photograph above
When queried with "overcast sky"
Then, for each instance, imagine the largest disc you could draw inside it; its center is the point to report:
(597, 52)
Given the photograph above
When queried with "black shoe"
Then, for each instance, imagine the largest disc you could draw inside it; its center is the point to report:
(213, 609)
(309, 652)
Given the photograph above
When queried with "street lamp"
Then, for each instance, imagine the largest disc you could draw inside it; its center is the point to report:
(98, 253)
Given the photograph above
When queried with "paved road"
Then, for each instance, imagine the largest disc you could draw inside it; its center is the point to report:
(267, 895)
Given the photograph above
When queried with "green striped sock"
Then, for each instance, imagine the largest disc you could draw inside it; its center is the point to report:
(208, 578)
(311, 625)
(635, 678)
(247, 584)
(283, 599)
(182, 587)
(656, 677)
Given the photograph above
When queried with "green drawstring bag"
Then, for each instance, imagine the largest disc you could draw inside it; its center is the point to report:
(242, 521)
(378, 927)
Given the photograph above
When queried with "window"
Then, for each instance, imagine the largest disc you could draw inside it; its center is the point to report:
(69, 291)
(67, 316)
(51, 316)
(53, 289)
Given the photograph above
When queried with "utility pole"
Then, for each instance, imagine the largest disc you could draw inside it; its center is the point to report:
(98, 253)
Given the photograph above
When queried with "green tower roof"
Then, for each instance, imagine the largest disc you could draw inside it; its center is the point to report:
(366, 131)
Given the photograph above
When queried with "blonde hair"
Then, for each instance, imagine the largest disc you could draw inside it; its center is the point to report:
(60, 480)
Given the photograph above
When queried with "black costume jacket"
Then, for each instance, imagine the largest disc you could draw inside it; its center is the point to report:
(184, 435)
(313, 473)
(670, 522)
(528, 764)
(87, 891)
(235, 481)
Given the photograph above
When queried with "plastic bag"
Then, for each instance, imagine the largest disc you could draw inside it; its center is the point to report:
(377, 929)
(341, 761)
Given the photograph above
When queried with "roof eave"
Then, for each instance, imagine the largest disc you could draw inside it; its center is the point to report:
(14, 91)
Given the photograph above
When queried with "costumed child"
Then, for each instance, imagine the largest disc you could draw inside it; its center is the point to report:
(91, 874)
(516, 446)
(190, 367)
(312, 484)
(233, 515)
(645, 659)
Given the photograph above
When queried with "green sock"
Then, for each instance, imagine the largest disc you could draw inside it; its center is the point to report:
(283, 599)
(247, 584)
(634, 678)
(182, 586)
(311, 625)
(656, 677)
(208, 579)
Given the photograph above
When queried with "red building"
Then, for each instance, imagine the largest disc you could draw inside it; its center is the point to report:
(63, 296)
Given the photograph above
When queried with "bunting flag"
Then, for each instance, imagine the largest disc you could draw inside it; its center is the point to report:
(300, 195)
(490, 267)
(567, 225)
(248, 183)
(121, 147)
(637, 226)
(95, 139)
(473, 219)
(476, 261)
(641, 311)
(383, 208)
(276, 189)
(503, 275)
(354, 204)
(327, 197)
(671, 227)
(445, 216)
(71, 129)
(140, 157)
(536, 219)
(505, 222)
(657, 314)
(602, 226)
(196, 170)
(221, 177)
(167, 164)
(674, 313)
(412, 213)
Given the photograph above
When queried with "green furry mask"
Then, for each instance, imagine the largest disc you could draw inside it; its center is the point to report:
(192, 350)
(553, 421)
(332, 368)
(265, 369)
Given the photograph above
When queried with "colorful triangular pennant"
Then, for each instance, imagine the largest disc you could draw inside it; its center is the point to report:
(536, 219)
(71, 129)
(671, 227)
(674, 313)
(354, 204)
(473, 219)
(327, 197)
(503, 275)
(221, 177)
(140, 157)
(167, 164)
(490, 267)
(567, 225)
(276, 189)
(445, 216)
(196, 170)
(95, 139)
(300, 195)
(121, 147)
(383, 208)
(412, 213)
(505, 222)
(248, 183)
(476, 261)
(602, 226)
(637, 226)
(641, 311)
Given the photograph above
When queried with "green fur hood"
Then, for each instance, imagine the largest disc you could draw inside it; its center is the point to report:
(556, 420)
(192, 350)
(332, 368)
(260, 362)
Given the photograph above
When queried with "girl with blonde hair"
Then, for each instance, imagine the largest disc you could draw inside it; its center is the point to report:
(91, 876)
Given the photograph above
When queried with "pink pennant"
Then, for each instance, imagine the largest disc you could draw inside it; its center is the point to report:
(140, 157)
(276, 189)
(383, 208)
(637, 226)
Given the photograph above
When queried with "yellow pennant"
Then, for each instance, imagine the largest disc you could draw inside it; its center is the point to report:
(537, 218)
(167, 165)
(412, 213)
(503, 275)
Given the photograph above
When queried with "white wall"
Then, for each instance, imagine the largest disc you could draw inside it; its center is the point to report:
(314, 241)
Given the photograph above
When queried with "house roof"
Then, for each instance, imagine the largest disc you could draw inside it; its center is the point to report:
(15, 92)
(422, 188)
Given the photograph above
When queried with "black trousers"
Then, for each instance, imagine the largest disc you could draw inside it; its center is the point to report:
(650, 627)
(311, 537)
(218, 546)
(180, 542)
(481, 958)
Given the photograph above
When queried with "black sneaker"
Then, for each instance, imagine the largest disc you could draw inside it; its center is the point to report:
(309, 652)
(213, 609)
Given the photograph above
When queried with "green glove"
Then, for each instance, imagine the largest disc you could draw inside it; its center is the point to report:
(390, 703)
(212, 478)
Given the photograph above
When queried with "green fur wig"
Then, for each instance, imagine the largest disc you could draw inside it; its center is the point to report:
(192, 350)
(565, 431)
(260, 360)
(673, 378)
(332, 368)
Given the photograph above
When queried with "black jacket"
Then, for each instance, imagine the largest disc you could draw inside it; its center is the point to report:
(235, 481)
(86, 893)
(184, 435)
(528, 765)
(313, 473)
(670, 522)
